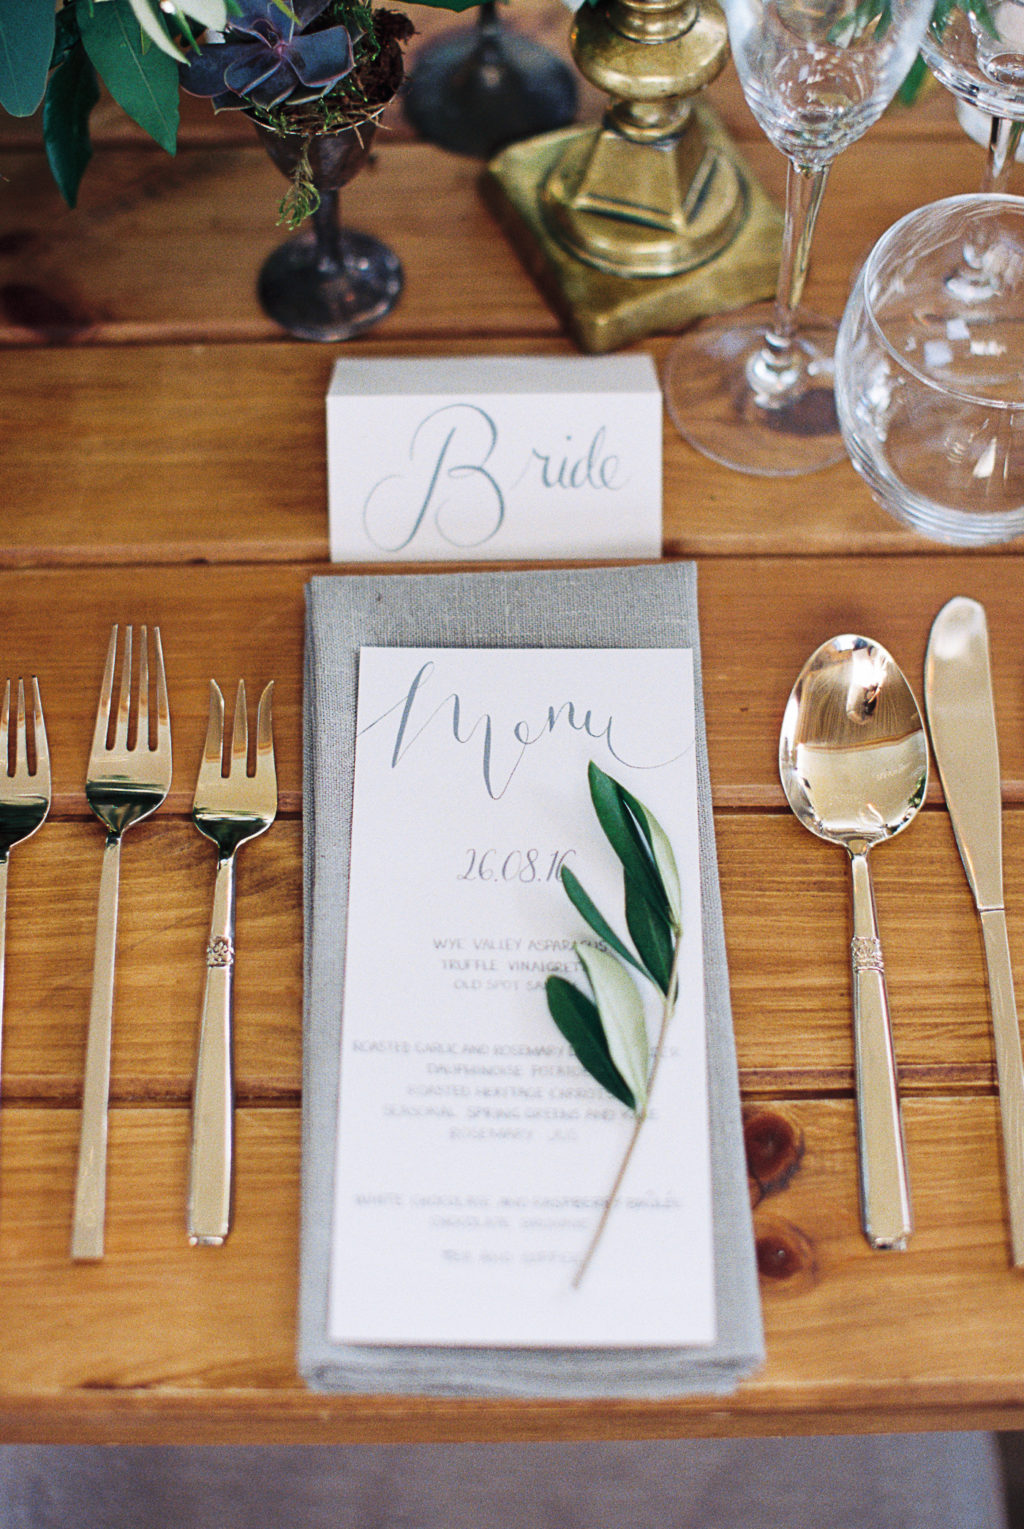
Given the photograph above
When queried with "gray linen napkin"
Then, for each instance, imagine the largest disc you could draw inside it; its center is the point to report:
(641, 606)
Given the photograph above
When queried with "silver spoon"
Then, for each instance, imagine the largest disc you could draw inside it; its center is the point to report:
(853, 758)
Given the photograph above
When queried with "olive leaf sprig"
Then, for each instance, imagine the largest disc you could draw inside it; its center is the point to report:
(608, 1031)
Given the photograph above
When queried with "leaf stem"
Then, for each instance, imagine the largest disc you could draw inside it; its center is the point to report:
(668, 1008)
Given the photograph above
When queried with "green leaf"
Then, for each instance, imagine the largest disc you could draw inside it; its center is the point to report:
(652, 935)
(624, 836)
(664, 858)
(916, 76)
(142, 80)
(150, 21)
(26, 46)
(622, 1016)
(70, 97)
(578, 1020)
(598, 923)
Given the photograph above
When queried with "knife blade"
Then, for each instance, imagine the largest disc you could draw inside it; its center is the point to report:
(962, 722)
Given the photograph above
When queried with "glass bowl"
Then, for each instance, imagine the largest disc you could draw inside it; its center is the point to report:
(930, 389)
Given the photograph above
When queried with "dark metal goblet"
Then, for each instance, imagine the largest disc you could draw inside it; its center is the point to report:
(328, 282)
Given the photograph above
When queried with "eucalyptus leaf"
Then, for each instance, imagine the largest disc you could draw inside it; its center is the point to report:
(622, 1017)
(596, 919)
(208, 13)
(664, 858)
(578, 1020)
(652, 935)
(142, 80)
(26, 46)
(149, 19)
(70, 97)
(624, 836)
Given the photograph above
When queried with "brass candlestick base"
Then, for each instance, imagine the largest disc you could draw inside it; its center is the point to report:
(603, 309)
(651, 219)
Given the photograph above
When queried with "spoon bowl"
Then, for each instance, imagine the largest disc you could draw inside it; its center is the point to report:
(853, 759)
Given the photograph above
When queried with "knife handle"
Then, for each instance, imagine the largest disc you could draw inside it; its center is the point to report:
(884, 1187)
(1009, 1069)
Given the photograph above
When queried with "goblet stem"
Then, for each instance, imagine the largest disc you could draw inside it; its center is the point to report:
(327, 232)
(975, 280)
(775, 370)
(1004, 137)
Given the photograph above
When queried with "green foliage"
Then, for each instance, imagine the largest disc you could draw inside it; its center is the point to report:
(26, 45)
(577, 1018)
(55, 54)
(72, 93)
(608, 1034)
(142, 79)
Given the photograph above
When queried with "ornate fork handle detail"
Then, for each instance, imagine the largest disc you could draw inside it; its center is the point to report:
(866, 953)
(212, 1151)
(229, 810)
(220, 951)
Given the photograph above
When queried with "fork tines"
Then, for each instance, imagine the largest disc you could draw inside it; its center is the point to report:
(212, 763)
(22, 766)
(115, 726)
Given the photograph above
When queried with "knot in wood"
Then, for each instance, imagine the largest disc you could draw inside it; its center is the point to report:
(785, 1255)
(774, 1146)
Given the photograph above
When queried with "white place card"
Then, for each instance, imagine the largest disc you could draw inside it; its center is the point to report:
(474, 1153)
(494, 457)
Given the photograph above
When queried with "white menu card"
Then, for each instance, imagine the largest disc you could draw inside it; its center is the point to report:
(474, 1153)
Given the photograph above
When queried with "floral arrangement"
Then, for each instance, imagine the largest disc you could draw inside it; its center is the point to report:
(323, 59)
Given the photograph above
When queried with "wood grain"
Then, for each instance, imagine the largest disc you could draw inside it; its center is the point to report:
(114, 269)
(786, 899)
(760, 619)
(162, 459)
(160, 1337)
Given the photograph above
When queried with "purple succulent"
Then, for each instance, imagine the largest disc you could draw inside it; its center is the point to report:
(266, 56)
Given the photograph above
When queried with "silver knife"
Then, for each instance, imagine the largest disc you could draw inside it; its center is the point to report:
(962, 720)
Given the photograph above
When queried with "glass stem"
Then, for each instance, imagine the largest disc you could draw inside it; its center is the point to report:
(327, 233)
(1003, 139)
(804, 191)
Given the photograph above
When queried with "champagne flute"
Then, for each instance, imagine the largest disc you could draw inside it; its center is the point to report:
(754, 391)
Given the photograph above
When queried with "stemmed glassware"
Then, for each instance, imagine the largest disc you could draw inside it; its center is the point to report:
(754, 391)
(976, 49)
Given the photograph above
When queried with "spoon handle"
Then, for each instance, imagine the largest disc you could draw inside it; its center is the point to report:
(884, 1190)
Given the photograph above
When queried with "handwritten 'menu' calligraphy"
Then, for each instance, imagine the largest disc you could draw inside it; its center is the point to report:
(501, 737)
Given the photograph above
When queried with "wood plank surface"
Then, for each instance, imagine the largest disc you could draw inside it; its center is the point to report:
(114, 269)
(786, 899)
(160, 1337)
(760, 619)
(127, 494)
(162, 460)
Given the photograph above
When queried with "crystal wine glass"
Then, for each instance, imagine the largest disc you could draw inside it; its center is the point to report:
(930, 393)
(754, 391)
(976, 49)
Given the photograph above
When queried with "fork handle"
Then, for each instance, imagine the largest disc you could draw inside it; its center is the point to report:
(210, 1161)
(91, 1183)
(884, 1188)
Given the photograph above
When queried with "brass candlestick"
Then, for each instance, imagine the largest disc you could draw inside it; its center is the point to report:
(651, 219)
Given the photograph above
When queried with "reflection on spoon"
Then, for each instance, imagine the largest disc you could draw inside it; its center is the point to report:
(853, 758)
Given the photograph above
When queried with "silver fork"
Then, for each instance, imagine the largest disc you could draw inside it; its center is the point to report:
(228, 809)
(24, 793)
(124, 784)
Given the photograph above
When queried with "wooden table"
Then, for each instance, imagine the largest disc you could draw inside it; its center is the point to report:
(162, 461)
